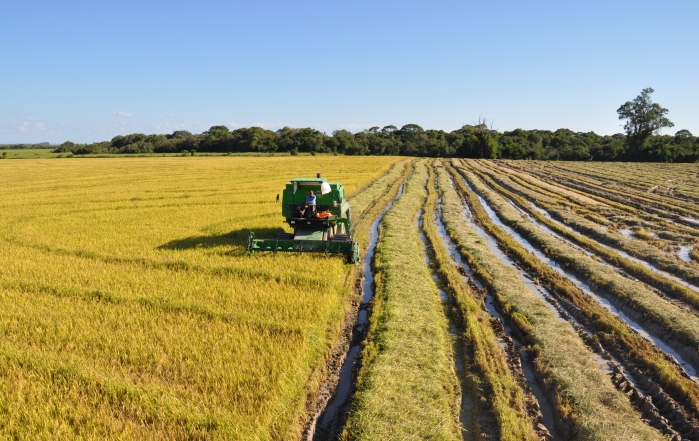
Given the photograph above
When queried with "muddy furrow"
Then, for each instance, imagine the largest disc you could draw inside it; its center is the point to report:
(673, 287)
(506, 385)
(624, 373)
(621, 184)
(407, 387)
(568, 257)
(547, 342)
(669, 285)
(665, 406)
(678, 214)
(518, 359)
(334, 400)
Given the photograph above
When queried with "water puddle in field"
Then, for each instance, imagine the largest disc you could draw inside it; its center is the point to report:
(626, 233)
(683, 253)
(330, 422)
(692, 220)
(583, 286)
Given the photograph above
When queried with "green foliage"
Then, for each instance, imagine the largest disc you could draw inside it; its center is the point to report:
(470, 141)
(643, 119)
(40, 145)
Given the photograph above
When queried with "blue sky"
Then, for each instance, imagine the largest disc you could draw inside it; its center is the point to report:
(87, 71)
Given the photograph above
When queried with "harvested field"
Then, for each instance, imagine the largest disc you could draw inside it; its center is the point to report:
(494, 300)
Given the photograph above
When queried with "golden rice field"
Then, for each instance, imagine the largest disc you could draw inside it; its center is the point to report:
(130, 310)
(511, 300)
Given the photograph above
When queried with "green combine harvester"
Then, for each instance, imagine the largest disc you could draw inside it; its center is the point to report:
(323, 228)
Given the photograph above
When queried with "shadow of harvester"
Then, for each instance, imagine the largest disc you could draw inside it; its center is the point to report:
(235, 238)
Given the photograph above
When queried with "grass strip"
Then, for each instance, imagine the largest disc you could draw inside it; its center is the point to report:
(694, 254)
(407, 387)
(610, 330)
(672, 204)
(679, 323)
(665, 284)
(505, 396)
(545, 177)
(361, 200)
(587, 404)
(636, 248)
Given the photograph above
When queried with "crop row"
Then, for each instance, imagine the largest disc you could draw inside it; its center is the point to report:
(130, 310)
(507, 397)
(587, 405)
(407, 388)
(610, 331)
(600, 228)
(573, 224)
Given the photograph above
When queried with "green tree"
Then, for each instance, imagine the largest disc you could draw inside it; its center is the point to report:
(181, 134)
(643, 119)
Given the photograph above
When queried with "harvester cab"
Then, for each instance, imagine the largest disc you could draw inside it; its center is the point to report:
(321, 228)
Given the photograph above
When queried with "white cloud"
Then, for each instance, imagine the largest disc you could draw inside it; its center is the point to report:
(78, 115)
(120, 113)
(171, 115)
(167, 127)
(354, 127)
(271, 126)
(23, 127)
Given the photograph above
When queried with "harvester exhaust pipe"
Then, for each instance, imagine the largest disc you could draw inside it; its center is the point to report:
(318, 175)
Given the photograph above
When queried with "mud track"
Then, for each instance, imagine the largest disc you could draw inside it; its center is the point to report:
(330, 408)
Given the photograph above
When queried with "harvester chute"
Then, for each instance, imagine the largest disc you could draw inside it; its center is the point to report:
(323, 228)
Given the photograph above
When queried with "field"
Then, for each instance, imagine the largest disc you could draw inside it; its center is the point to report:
(27, 153)
(131, 311)
(511, 300)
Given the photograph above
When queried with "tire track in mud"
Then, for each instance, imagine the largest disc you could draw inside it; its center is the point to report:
(335, 398)
(583, 232)
(656, 406)
(650, 332)
(549, 379)
(519, 361)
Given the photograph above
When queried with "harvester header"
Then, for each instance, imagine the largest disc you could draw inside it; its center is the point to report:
(322, 221)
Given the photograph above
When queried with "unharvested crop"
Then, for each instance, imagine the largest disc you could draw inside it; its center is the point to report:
(130, 309)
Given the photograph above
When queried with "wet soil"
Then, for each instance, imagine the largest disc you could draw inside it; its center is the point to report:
(331, 408)
(656, 407)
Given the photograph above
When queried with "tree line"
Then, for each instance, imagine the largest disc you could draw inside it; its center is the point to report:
(470, 141)
(39, 145)
(641, 142)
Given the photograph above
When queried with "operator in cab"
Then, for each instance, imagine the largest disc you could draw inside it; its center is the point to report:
(310, 203)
